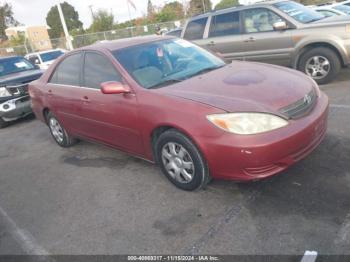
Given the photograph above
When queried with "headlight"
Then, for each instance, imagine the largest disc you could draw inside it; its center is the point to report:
(4, 92)
(247, 123)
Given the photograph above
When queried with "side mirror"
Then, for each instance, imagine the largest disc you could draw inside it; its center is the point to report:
(113, 87)
(279, 26)
(36, 61)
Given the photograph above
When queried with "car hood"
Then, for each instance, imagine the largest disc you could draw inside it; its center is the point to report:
(21, 77)
(244, 86)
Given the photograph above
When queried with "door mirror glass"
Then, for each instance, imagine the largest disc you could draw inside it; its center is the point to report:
(279, 26)
(113, 87)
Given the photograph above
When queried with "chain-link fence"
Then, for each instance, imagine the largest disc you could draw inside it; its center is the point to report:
(88, 39)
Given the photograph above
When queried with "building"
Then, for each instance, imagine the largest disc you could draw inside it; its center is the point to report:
(37, 36)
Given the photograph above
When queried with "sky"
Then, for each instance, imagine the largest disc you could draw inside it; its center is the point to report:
(33, 12)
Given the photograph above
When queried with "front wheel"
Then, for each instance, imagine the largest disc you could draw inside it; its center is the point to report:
(181, 161)
(320, 63)
(3, 123)
(58, 133)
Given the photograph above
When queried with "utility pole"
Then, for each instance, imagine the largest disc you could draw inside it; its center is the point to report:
(92, 12)
(204, 9)
(127, 3)
(66, 33)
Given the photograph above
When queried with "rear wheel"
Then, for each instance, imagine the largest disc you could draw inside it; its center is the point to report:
(320, 63)
(58, 133)
(181, 161)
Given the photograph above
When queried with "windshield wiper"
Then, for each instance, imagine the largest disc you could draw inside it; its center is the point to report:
(205, 70)
(166, 82)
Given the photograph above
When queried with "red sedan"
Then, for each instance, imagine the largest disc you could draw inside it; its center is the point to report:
(171, 102)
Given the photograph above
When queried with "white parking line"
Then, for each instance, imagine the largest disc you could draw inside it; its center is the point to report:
(23, 237)
(339, 106)
(309, 256)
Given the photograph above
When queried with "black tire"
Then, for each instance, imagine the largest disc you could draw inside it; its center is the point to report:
(201, 171)
(3, 123)
(67, 140)
(329, 54)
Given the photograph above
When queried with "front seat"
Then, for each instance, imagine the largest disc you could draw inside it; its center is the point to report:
(249, 26)
(146, 74)
(264, 23)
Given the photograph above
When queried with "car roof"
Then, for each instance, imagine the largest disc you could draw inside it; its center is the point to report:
(175, 29)
(239, 8)
(43, 52)
(126, 42)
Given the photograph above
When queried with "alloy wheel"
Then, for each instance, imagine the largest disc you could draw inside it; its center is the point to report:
(317, 67)
(56, 129)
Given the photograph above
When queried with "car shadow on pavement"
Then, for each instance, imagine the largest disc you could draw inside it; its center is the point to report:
(295, 210)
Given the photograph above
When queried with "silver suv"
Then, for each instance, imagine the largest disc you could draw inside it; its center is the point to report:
(278, 32)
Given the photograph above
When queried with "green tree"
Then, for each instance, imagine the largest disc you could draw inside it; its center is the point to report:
(226, 4)
(199, 6)
(103, 21)
(71, 17)
(6, 18)
(18, 40)
(170, 12)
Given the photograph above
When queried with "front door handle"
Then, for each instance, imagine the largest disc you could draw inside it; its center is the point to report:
(250, 39)
(49, 92)
(85, 99)
(211, 43)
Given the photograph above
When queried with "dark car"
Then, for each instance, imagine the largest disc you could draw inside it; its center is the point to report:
(175, 32)
(171, 102)
(15, 74)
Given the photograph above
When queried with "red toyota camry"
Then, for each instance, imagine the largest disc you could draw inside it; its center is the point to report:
(171, 102)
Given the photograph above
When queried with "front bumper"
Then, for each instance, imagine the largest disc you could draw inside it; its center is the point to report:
(15, 108)
(253, 157)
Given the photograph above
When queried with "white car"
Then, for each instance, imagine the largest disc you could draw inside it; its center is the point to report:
(44, 59)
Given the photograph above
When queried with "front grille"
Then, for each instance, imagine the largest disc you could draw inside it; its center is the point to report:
(301, 107)
(17, 89)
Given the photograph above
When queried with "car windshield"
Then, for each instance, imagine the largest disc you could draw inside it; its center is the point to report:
(343, 8)
(13, 65)
(299, 12)
(164, 62)
(52, 55)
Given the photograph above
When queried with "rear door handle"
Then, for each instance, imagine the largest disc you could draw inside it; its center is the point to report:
(250, 39)
(50, 92)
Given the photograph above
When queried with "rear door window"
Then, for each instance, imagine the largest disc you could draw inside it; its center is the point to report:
(68, 71)
(225, 24)
(195, 29)
(98, 69)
